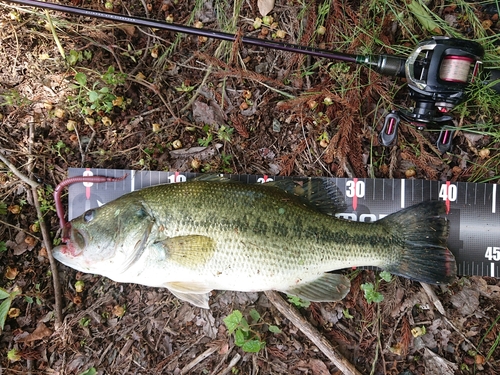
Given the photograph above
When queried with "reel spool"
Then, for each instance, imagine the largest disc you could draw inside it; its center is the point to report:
(438, 72)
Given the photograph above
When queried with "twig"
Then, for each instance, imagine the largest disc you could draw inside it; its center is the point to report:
(229, 367)
(439, 306)
(434, 299)
(308, 329)
(45, 235)
(16, 171)
(207, 353)
(21, 229)
(53, 265)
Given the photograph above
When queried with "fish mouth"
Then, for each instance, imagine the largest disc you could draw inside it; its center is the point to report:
(75, 241)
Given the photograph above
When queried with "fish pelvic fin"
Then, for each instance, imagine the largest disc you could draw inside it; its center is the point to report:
(421, 235)
(329, 287)
(192, 292)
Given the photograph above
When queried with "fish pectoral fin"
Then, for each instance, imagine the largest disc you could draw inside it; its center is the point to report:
(194, 293)
(193, 250)
(329, 287)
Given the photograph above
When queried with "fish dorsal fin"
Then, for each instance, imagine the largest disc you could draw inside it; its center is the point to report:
(190, 250)
(319, 193)
(192, 292)
(212, 177)
(329, 287)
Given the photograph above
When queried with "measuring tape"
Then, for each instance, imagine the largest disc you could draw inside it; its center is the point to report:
(472, 209)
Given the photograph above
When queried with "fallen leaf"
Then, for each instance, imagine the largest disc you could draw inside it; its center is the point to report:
(39, 333)
(128, 29)
(318, 367)
(203, 113)
(20, 246)
(265, 6)
(466, 301)
(436, 365)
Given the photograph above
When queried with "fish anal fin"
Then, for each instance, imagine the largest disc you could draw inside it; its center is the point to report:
(192, 292)
(329, 287)
(190, 250)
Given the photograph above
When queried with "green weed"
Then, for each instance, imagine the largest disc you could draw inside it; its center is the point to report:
(14, 98)
(90, 371)
(8, 297)
(184, 89)
(371, 291)
(245, 335)
(495, 344)
(75, 57)
(226, 162)
(299, 302)
(224, 133)
(99, 95)
(45, 197)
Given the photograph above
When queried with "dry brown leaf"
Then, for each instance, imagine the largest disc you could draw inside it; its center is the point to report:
(265, 6)
(127, 29)
(39, 333)
(318, 367)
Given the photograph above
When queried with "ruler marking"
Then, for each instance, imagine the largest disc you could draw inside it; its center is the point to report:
(402, 193)
(494, 199)
(392, 190)
(475, 264)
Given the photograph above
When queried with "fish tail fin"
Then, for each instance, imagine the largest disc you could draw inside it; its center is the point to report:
(421, 236)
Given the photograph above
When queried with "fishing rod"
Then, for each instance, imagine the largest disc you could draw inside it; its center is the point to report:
(438, 71)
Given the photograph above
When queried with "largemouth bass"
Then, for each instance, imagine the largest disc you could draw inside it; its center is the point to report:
(214, 234)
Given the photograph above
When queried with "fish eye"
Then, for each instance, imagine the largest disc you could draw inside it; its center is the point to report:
(88, 215)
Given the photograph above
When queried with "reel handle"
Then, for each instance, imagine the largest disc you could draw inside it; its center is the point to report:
(389, 132)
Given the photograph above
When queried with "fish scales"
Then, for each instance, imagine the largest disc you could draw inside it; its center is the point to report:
(246, 221)
(198, 236)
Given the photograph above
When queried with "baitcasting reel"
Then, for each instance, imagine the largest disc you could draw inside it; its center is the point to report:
(438, 72)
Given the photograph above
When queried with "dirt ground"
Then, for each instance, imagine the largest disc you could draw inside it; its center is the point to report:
(163, 101)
